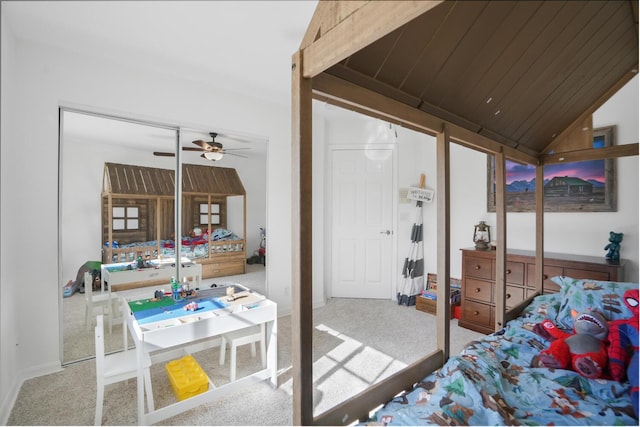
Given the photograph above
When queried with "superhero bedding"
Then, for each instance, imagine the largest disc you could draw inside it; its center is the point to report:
(223, 241)
(492, 381)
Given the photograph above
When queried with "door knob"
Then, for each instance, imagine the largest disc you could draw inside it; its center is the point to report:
(387, 232)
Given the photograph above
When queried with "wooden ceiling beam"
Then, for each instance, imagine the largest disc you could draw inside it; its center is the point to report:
(339, 92)
(364, 25)
(625, 150)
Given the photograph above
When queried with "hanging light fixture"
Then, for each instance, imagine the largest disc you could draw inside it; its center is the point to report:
(212, 155)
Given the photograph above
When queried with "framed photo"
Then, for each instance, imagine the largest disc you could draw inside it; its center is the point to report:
(588, 186)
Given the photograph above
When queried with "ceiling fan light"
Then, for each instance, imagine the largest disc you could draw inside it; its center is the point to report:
(212, 155)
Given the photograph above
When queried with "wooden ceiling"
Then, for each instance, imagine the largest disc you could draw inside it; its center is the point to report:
(525, 74)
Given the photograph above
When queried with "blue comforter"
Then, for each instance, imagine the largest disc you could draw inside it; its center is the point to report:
(492, 382)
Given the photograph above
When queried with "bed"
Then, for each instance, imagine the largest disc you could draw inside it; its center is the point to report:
(223, 241)
(494, 381)
(449, 69)
(138, 211)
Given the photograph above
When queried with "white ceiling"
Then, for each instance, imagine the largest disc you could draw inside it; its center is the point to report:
(214, 40)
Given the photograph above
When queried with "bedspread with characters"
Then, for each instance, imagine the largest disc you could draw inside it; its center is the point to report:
(193, 247)
(497, 380)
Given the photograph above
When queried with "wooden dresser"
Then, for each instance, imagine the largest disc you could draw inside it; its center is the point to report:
(479, 275)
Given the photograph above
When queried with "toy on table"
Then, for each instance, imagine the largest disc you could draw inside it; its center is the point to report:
(192, 306)
(614, 246)
(623, 347)
(584, 350)
(175, 289)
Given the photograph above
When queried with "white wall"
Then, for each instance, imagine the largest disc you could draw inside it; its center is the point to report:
(9, 281)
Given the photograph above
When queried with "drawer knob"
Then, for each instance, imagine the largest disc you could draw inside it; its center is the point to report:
(508, 296)
(476, 312)
(508, 271)
(545, 277)
(477, 290)
(477, 267)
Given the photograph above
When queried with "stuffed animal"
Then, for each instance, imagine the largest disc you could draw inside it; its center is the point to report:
(623, 348)
(614, 246)
(584, 351)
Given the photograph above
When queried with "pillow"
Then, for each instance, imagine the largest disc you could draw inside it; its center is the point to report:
(543, 307)
(583, 294)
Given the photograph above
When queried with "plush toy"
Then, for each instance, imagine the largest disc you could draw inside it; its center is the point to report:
(584, 351)
(623, 348)
(614, 246)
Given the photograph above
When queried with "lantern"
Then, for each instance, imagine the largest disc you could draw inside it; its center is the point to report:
(481, 235)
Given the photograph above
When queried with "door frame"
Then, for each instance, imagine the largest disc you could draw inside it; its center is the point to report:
(328, 221)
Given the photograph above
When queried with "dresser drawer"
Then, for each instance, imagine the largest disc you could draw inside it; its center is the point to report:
(477, 314)
(478, 290)
(478, 267)
(513, 296)
(515, 273)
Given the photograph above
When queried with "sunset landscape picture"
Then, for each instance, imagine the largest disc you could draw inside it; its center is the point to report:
(568, 187)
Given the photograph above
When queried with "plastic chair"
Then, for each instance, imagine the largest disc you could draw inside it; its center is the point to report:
(116, 367)
(103, 302)
(249, 335)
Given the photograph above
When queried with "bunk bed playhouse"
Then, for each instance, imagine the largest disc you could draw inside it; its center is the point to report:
(138, 216)
(516, 80)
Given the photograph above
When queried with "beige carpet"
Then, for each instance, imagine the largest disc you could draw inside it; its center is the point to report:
(356, 343)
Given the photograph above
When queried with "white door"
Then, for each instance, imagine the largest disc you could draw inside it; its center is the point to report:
(362, 214)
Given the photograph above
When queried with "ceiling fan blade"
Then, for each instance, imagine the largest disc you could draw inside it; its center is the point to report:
(163, 154)
(205, 145)
(235, 149)
(191, 149)
(234, 154)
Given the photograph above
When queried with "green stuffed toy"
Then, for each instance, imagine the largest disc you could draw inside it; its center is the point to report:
(614, 246)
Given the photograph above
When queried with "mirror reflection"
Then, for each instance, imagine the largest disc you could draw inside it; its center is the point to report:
(118, 222)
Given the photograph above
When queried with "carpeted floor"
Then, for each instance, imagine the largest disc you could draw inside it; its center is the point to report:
(356, 343)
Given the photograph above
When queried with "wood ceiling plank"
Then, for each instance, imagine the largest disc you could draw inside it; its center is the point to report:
(507, 104)
(500, 76)
(440, 47)
(569, 99)
(369, 60)
(477, 69)
(413, 39)
(450, 80)
(365, 25)
(568, 59)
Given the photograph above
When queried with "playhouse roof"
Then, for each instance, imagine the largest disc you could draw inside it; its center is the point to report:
(123, 179)
(525, 74)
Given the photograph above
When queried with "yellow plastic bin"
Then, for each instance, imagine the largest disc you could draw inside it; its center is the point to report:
(187, 378)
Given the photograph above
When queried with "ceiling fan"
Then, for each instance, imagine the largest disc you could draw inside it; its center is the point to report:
(211, 150)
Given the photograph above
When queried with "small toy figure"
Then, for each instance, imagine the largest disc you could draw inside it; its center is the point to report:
(614, 246)
(623, 348)
(584, 351)
(192, 306)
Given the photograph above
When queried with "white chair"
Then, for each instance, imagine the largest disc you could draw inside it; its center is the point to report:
(249, 335)
(103, 303)
(114, 368)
